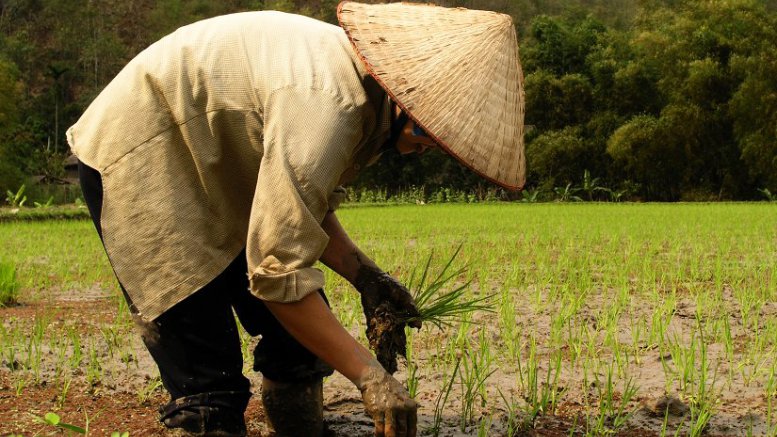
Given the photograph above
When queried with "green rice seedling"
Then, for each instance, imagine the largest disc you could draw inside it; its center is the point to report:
(637, 328)
(684, 360)
(75, 342)
(473, 374)
(442, 400)
(613, 410)
(541, 398)
(151, 386)
(34, 350)
(485, 426)
(59, 347)
(703, 398)
(112, 337)
(120, 434)
(9, 285)
(700, 418)
(512, 408)
(128, 357)
(94, 370)
(443, 308)
(19, 385)
(63, 394)
(770, 391)
(11, 337)
(508, 328)
(412, 368)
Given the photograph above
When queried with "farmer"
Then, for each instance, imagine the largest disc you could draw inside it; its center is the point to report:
(211, 166)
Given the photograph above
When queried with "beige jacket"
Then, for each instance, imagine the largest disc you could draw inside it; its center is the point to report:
(230, 133)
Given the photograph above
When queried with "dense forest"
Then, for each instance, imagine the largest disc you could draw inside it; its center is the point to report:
(651, 99)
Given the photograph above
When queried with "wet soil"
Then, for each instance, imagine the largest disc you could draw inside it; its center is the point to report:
(116, 404)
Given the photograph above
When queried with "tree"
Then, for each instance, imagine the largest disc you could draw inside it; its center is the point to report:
(645, 154)
(11, 176)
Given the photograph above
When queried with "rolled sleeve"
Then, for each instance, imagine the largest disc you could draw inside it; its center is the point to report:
(310, 138)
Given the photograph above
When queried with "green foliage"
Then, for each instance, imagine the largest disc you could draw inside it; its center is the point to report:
(768, 194)
(567, 193)
(702, 76)
(67, 212)
(10, 94)
(9, 286)
(558, 157)
(557, 101)
(53, 419)
(16, 199)
(642, 149)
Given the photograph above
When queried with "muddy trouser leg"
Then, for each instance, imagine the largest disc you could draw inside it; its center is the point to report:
(195, 345)
(292, 384)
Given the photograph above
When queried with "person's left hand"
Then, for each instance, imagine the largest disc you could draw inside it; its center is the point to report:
(388, 307)
(378, 287)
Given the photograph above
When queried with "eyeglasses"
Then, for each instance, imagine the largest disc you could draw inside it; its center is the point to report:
(417, 131)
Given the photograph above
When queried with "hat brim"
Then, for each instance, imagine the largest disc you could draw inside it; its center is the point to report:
(490, 140)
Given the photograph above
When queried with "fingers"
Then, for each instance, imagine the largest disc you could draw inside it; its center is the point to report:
(391, 430)
(380, 425)
(400, 421)
(412, 421)
(397, 422)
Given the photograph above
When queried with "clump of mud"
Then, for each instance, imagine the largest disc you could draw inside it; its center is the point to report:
(386, 334)
(669, 405)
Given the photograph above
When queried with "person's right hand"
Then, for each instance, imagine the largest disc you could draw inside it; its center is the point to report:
(388, 403)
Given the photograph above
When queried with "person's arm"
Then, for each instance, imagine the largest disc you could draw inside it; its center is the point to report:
(312, 323)
(380, 292)
(341, 253)
(299, 170)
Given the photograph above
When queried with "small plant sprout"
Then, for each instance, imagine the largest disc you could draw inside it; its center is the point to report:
(53, 420)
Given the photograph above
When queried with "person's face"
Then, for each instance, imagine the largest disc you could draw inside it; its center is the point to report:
(410, 142)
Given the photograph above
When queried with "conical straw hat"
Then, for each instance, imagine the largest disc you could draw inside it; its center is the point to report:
(455, 71)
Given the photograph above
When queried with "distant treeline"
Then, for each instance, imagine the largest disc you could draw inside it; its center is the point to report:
(650, 99)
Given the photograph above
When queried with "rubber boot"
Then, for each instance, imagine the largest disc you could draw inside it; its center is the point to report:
(294, 409)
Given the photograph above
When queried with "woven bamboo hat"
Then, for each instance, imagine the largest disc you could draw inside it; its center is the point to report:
(455, 72)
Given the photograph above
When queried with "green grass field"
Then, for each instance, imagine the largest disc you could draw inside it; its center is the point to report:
(608, 318)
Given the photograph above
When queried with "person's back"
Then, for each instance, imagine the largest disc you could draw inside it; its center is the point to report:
(190, 118)
(212, 68)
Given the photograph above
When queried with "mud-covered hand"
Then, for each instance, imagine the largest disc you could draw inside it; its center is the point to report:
(388, 403)
(379, 288)
(388, 307)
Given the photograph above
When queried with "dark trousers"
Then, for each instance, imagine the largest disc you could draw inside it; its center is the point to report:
(196, 344)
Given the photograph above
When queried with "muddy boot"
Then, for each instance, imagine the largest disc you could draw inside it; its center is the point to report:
(214, 414)
(202, 421)
(294, 409)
